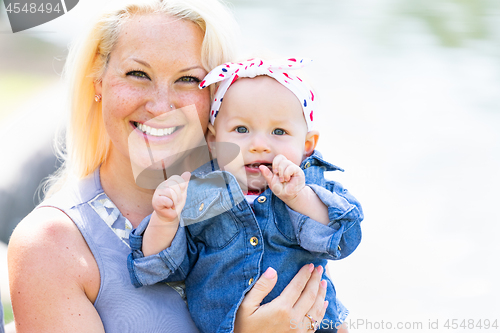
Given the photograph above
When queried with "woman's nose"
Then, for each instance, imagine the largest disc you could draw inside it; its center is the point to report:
(161, 101)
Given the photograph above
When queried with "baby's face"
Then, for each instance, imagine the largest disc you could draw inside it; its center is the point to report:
(264, 119)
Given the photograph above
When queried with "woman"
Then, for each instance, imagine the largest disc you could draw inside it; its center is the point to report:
(67, 258)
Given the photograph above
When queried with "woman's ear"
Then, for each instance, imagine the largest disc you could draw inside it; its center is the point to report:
(98, 86)
(312, 138)
(211, 138)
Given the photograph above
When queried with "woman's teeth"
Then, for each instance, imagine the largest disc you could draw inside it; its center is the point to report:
(155, 131)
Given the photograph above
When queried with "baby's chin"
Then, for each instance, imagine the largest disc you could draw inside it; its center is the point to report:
(256, 185)
(248, 181)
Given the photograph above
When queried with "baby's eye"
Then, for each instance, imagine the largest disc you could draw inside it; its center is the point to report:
(139, 74)
(279, 131)
(241, 129)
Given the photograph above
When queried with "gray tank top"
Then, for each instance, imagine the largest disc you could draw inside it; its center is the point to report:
(121, 306)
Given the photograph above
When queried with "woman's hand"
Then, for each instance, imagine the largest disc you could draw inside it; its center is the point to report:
(304, 295)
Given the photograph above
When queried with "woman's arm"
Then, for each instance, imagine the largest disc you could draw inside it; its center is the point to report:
(54, 278)
(305, 294)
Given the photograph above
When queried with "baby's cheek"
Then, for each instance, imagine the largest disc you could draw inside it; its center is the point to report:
(294, 154)
(256, 181)
(231, 164)
(229, 154)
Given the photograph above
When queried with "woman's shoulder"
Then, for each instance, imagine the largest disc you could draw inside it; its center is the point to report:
(45, 226)
(50, 263)
(48, 243)
(47, 231)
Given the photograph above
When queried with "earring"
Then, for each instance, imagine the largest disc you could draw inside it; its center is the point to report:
(171, 106)
(97, 98)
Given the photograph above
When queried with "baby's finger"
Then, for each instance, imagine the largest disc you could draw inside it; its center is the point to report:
(276, 162)
(185, 176)
(177, 185)
(290, 170)
(162, 190)
(173, 194)
(180, 189)
(161, 187)
(175, 181)
(163, 201)
(181, 195)
(268, 175)
(282, 164)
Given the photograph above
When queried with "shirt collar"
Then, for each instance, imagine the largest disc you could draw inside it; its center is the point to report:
(316, 159)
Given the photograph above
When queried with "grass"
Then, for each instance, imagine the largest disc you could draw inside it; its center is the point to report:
(8, 316)
(16, 88)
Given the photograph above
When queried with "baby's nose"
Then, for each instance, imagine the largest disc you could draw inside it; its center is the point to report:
(259, 144)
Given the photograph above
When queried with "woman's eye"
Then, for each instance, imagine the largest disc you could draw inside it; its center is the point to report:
(189, 79)
(139, 74)
(241, 129)
(279, 131)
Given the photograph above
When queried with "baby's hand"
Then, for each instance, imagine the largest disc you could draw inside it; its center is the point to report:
(286, 180)
(170, 197)
(168, 202)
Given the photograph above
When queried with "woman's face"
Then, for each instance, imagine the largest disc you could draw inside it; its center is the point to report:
(151, 104)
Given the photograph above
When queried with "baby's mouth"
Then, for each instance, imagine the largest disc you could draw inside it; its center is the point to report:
(256, 165)
(155, 131)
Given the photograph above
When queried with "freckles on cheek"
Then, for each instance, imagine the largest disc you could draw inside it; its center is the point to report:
(124, 102)
(110, 122)
(201, 100)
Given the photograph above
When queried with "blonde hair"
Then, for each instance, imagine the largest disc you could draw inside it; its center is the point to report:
(86, 144)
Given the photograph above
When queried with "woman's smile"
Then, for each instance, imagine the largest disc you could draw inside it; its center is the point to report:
(155, 131)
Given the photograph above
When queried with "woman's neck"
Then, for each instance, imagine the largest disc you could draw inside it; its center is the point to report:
(117, 181)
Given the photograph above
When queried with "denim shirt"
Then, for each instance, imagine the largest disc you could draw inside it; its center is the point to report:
(225, 245)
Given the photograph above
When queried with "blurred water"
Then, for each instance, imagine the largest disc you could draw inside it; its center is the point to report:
(410, 107)
(411, 110)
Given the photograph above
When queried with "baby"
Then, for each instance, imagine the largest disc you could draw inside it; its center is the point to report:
(273, 209)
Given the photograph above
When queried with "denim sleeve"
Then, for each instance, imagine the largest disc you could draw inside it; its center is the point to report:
(342, 235)
(171, 264)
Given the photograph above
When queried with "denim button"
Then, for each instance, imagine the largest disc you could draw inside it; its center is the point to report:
(308, 164)
(339, 248)
(250, 281)
(261, 199)
(201, 207)
(254, 241)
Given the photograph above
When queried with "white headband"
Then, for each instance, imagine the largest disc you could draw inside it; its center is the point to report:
(277, 69)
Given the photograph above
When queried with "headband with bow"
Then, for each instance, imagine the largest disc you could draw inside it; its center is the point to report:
(277, 69)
